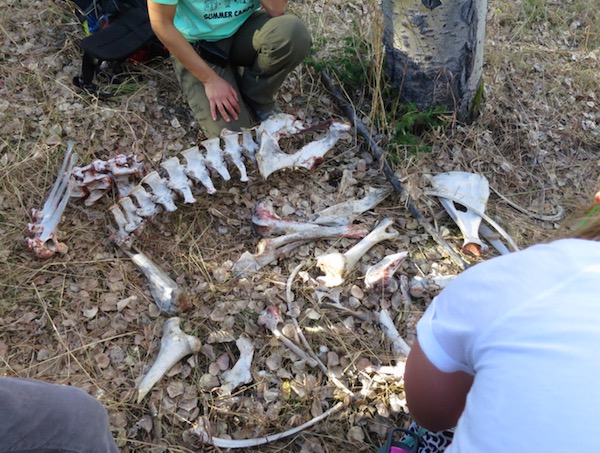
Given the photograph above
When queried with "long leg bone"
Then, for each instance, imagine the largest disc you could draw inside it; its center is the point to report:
(233, 150)
(240, 373)
(178, 181)
(269, 250)
(161, 194)
(214, 157)
(271, 158)
(44, 227)
(347, 211)
(336, 265)
(174, 346)
(382, 273)
(203, 432)
(167, 294)
(195, 168)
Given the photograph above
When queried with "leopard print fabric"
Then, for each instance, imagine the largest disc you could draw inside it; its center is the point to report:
(431, 442)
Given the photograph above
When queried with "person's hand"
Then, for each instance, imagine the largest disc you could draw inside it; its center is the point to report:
(222, 97)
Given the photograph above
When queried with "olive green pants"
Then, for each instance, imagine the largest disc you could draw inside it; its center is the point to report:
(261, 54)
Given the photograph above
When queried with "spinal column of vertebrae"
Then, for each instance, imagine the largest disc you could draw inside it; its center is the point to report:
(155, 192)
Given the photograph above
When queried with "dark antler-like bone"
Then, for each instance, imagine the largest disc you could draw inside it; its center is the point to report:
(44, 243)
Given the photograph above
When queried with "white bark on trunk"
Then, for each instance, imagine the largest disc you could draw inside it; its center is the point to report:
(436, 55)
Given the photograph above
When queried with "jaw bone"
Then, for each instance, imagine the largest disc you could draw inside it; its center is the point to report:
(233, 150)
(382, 273)
(174, 346)
(178, 181)
(195, 168)
(240, 373)
(45, 225)
(336, 265)
(455, 187)
(271, 158)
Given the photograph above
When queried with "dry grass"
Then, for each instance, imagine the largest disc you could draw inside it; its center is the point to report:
(536, 141)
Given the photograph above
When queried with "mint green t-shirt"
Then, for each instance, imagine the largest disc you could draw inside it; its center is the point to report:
(210, 20)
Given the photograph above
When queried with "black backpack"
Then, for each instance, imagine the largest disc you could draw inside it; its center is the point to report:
(118, 30)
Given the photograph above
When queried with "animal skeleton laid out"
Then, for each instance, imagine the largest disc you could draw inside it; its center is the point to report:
(144, 194)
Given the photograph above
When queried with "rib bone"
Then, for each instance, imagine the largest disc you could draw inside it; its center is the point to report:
(195, 168)
(240, 373)
(271, 158)
(174, 346)
(214, 157)
(336, 265)
(233, 149)
(161, 194)
(399, 346)
(178, 181)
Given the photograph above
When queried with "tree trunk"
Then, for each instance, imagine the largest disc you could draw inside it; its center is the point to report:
(435, 52)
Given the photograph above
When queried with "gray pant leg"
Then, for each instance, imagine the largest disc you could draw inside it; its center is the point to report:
(47, 418)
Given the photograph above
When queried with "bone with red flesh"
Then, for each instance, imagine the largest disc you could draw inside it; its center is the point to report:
(214, 157)
(233, 150)
(249, 146)
(134, 221)
(382, 273)
(195, 168)
(125, 165)
(347, 211)
(121, 236)
(267, 223)
(177, 180)
(44, 243)
(336, 265)
(147, 207)
(271, 158)
(161, 194)
(268, 250)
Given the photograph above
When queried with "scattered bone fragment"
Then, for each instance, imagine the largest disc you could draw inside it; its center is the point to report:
(161, 194)
(271, 158)
(347, 211)
(336, 265)
(147, 208)
(214, 157)
(399, 347)
(203, 431)
(195, 168)
(270, 318)
(167, 294)
(178, 181)
(134, 221)
(174, 346)
(249, 264)
(470, 190)
(382, 273)
(429, 285)
(45, 225)
(240, 373)
(233, 150)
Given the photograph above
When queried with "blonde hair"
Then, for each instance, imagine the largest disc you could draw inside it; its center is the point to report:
(584, 224)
